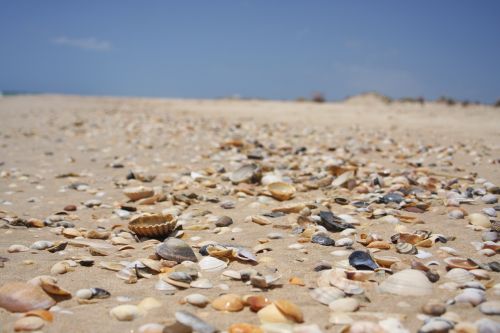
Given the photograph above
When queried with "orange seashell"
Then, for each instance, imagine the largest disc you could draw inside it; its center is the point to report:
(228, 302)
(382, 245)
(257, 302)
(290, 310)
(28, 324)
(386, 261)
(152, 225)
(244, 328)
(281, 190)
(22, 297)
(44, 314)
(296, 281)
(456, 262)
(425, 243)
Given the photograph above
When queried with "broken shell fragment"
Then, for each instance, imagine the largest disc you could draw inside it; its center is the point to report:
(249, 173)
(22, 297)
(125, 312)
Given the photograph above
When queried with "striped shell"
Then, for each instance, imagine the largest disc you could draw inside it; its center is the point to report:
(152, 225)
(406, 248)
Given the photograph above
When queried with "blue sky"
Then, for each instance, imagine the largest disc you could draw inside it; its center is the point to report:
(267, 49)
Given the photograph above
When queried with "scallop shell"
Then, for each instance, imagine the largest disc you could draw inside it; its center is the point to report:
(152, 225)
(211, 264)
(22, 297)
(139, 192)
(326, 295)
(281, 191)
(408, 282)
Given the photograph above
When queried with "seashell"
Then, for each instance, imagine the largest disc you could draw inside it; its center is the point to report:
(211, 264)
(139, 192)
(42, 245)
(260, 220)
(111, 266)
(219, 251)
(404, 237)
(60, 268)
(153, 265)
(362, 260)
(459, 275)
(322, 240)
(125, 312)
(84, 294)
(22, 297)
(181, 277)
(486, 325)
(340, 319)
(201, 284)
(449, 250)
(43, 314)
(176, 250)
(344, 305)
(490, 211)
(49, 285)
(256, 302)
(16, 248)
(472, 296)
(480, 274)
(489, 199)
(359, 275)
(195, 323)
(487, 252)
(406, 248)
(434, 308)
(224, 221)
(456, 214)
(337, 278)
(152, 225)
(408, 282)
(30, 323)
(71, 233)
(386, 261)
(490, 308)
(361, 326)
(490, 236)
(198, 300)
(456, 262)
(382, 245)
(344, 242)
(249, 173)
(164, 286)
(326, 295)
(295, 207)
(151, 328)
(290, 310)
(436, 325)
(244, 328)
(333, 223)
(480, 220)
(228, 302)
(425, 243)
(281, 191)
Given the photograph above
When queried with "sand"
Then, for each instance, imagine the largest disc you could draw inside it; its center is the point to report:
(42, 137)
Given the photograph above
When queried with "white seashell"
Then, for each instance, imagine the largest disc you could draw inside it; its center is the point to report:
(472, 296)
(197, 300)
(125, 312)
(408, 282)
(393, 325)
(459, 275)
(202, 284)
(344, 242)
(489, 199)
(15, 248)
(340, 253)
(147, 304)
(490, 308)
(344, 305)
(296, 246)
(449, 250)
(326, 295)
(480, 220)
(490, 211)
(456, 214)
(211, 264)
(423, 254)
(84, 294)
(348, 232)
(232, 274)
(41, 245)
(151, 328)
(164, 286)
(340, 319)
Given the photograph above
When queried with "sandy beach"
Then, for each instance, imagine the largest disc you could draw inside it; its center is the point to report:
(60, 150)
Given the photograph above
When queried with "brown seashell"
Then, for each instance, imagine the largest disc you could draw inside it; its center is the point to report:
(228, 302)
(457, 262)
(22, 297)
(139, 192)
(97, 252)
(365, 239)
(71, 233)
(44, 314)
(30, 323)
(257, 302)
(359, 275)
(244, 328)
(425, 243)
(382, 245)
(281, 191)
(153, 225)
(386, 261)
(260, 220)
(296, 281)
(49, 285)
(290, 208)
(94, 234)
(290, 310)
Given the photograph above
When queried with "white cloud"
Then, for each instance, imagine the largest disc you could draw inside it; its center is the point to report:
(90, 43)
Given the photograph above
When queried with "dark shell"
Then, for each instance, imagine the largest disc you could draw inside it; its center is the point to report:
(494, 266)
(176, 250)
(322, 266)
(392, 197)
(322, 240)
(362, 260)
(192, 321)
(341, 201)
(223, 221)
(100, 293)
(274, 214)
(360, 204)
(432, 276)
(333, 223)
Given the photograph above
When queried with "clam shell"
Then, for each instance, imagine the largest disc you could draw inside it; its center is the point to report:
(459, 275)
(152, 225)
(211, 264)
(195, 323)
(456, 262)
(362, 260)
(176, 250)
(480, 220)
(23, 297)
(344, 305)
(271, 314)
(382, 245)
(290, 310)
(386, 261)
(125, 312)
(139, 192)
(29, 323)
(408, 282)
(281, 191)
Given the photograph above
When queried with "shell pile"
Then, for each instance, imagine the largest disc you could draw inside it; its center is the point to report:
(178, 222)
